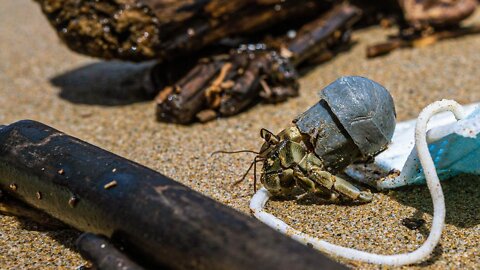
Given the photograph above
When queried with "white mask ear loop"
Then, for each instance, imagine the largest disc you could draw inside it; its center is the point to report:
(260, 198)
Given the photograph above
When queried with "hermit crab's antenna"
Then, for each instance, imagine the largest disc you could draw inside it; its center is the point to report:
(231, 152)
(269, 138)
(253, 164)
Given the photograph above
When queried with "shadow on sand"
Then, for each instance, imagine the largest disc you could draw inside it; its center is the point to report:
(110, 83)
(461, 200)
(66, 236)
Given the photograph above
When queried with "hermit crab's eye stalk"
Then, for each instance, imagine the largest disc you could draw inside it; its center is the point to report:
(269, 137)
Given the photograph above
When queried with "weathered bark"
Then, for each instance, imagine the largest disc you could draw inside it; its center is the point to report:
(155, 218)
(323, 34)
(225, 85)
(161, 29)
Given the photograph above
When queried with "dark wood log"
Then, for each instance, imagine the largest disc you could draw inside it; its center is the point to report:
(162, 29)
(155, 218)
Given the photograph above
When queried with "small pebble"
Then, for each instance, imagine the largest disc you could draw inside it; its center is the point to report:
(413, 223)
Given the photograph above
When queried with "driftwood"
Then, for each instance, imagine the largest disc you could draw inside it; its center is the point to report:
(151, 217)
(163, 29)
(226, 84)
(228, 78)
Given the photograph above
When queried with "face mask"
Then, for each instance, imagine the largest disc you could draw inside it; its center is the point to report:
(447, 150)
(453, 145)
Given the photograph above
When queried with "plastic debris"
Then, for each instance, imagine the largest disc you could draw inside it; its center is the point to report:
(454, 146)
(420, 155)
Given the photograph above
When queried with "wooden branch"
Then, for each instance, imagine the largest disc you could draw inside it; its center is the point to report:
(210, 89)
(323, 33)
(254, 71)
(154, 218)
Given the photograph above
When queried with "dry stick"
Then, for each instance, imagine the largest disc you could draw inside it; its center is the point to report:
(313, 38)
(251, 69)
(156, 219)
(185, 100)
(317, 36)
(387, 47)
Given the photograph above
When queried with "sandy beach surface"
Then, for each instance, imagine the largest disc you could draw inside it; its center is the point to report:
(41, 79)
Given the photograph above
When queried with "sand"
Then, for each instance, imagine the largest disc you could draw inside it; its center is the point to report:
(31, 56)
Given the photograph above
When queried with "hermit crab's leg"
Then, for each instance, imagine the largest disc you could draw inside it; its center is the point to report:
(317, 180)
(320, 181)
(342, 186)
(280, 183)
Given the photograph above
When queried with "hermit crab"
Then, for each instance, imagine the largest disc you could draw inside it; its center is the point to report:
(353, 121)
